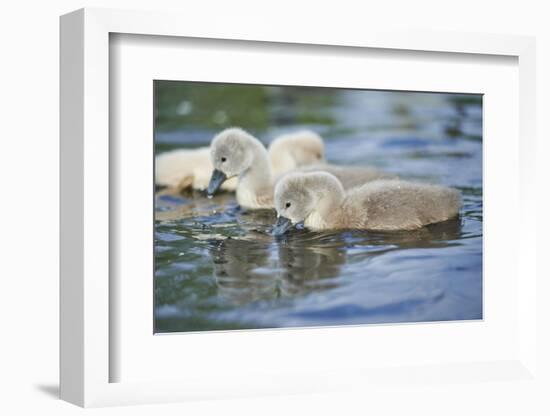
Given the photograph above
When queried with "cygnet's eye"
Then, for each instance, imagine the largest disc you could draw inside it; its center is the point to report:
(223, 159)
(288, 205)
(319, 155)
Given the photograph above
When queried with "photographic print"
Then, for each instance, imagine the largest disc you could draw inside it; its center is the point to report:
(291, 206)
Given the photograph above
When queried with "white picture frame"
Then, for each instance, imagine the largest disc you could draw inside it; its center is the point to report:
(86, 355)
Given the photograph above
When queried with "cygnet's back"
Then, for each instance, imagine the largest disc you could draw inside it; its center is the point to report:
(304, 151)
(350, 176)
(399, 205)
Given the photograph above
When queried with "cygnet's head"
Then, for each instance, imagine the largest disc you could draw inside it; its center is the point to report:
(294, 150)
(231, 153)
(294, 201)
(297, 195)
(309, 149)
(301, 148)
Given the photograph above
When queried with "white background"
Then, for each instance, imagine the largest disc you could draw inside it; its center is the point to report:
(29, 174)
(138, 60)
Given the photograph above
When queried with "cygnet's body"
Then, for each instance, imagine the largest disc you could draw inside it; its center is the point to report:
(234, 152)
(186, 168)
(319, 200)
(192, 168)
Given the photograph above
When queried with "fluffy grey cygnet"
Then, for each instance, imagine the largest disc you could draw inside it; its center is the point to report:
(319, 200)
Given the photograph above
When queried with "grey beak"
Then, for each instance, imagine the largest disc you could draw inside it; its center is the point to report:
(216, 180)
(282, 226)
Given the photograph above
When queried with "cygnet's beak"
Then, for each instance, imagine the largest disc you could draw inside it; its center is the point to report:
(282, 226)
(216, 180)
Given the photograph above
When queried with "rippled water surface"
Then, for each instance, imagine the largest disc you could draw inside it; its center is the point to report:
(218, 267)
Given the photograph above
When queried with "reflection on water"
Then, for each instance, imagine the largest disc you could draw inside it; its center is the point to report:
(246, 271)
(218, 267)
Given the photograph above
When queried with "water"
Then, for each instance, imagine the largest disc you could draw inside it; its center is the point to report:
(218, 267)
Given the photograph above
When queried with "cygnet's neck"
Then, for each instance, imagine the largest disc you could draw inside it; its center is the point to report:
(257, 178)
